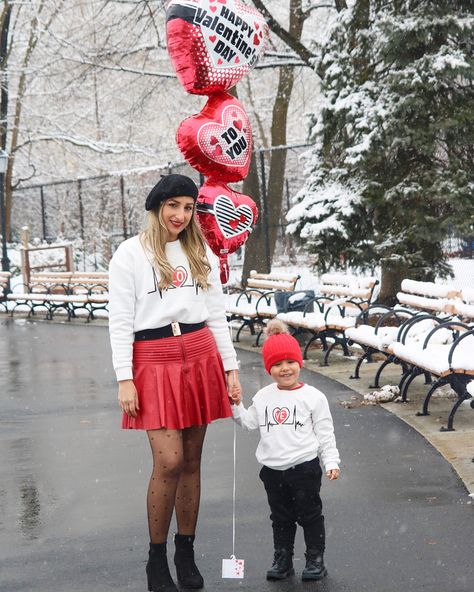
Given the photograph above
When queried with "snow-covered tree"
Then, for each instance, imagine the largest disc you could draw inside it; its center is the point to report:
(392, 168)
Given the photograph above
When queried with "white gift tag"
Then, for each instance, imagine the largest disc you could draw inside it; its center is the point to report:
(232, 568)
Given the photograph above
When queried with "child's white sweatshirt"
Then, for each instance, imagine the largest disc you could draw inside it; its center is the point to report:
(136, 302)
(295, 426)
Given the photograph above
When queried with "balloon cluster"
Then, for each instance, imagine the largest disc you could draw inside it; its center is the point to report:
(212, 45)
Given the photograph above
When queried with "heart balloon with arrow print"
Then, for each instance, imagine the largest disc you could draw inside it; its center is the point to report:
(226, 218)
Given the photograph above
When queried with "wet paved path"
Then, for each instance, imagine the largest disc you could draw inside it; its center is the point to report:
(72, 486)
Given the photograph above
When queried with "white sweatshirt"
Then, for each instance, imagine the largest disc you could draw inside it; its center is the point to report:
(295, 426)
(136, 302)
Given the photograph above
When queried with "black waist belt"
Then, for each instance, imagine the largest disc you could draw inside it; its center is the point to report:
(168, 331)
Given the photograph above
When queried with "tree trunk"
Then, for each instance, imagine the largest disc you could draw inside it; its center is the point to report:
(393, 272)
(255, 244)
(5, 27)
(255, 251)
(276, 175)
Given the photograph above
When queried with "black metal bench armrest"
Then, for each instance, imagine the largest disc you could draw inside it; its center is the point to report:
(341, 306)
(393, 312)
(363, 317)
(267, 297)
(449, 324)
(456, 344)
(247, 293)
(409, 323)
(319, 300)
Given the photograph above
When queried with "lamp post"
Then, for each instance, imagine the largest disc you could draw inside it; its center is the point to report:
(3, 213)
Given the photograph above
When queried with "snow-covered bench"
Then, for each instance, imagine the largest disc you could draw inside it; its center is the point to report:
(337, 285)
(416, 298)
(252, 308)
(272, 281)
(95, 281)
(4, 287)
(446, 353)
(463, 307)
(341, 298)
(255, 305)
(62, 291)
(375, 329)
(427, 296)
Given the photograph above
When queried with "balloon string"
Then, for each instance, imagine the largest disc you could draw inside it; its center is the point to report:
(233, 491)
(234, 451)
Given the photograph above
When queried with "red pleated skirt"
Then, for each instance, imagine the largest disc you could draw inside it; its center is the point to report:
(180, 382)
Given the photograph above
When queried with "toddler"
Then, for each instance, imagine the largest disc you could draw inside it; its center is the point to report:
(296, 433)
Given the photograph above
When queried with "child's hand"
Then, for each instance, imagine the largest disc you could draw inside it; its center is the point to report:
(333, 474)
(235, 395)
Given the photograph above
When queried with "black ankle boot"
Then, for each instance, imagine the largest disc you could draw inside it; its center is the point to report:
(315, 568)
(186, 570)
(157, 570)
(282, 566)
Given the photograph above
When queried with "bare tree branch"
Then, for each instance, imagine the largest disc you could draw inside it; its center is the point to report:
(301, 50)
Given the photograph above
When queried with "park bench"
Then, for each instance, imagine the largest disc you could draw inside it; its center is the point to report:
(341, 298)
(4, 287)
(427, 296)
(432, 335)
(445, 353)
(463, 306)
(252, 309)
(272, 281)
(378, 326)
(63, 291)
(254, 305)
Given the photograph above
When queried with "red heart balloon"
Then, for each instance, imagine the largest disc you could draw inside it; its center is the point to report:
(213, 44)
(217, 142)
(225, 216)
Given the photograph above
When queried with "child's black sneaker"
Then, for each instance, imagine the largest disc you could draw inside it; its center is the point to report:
(282, 566)
(315, 568)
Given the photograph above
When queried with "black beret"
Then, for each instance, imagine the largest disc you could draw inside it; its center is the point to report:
(171, 186)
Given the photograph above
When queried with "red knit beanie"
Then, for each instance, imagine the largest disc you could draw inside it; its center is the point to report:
(279, 345)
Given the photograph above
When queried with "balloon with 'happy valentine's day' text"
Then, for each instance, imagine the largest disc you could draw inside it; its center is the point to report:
(213, 43)
(217, 142)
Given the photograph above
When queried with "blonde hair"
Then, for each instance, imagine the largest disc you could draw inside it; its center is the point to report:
(155, 238)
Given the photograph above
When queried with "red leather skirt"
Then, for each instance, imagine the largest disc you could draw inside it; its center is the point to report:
(180, 382)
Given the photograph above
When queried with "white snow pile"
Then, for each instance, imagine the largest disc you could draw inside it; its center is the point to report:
(386, 394)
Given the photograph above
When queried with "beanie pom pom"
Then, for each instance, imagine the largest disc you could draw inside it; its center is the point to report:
(276, 327)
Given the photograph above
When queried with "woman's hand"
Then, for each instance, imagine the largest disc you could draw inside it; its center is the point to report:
(333, 474)
(128, 398)
(233, 387)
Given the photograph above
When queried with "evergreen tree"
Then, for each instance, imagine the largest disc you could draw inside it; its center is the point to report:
(392, 167)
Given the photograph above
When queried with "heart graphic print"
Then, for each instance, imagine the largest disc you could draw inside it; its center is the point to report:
(232, 220)
(180, 275)
(281, 414)
(228, 142)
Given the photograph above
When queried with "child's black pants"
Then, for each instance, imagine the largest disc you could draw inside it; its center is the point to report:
(293, 496)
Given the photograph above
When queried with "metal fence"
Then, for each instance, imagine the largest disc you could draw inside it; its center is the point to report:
(97, 213)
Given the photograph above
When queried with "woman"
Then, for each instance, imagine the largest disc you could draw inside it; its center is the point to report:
(174, 361)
